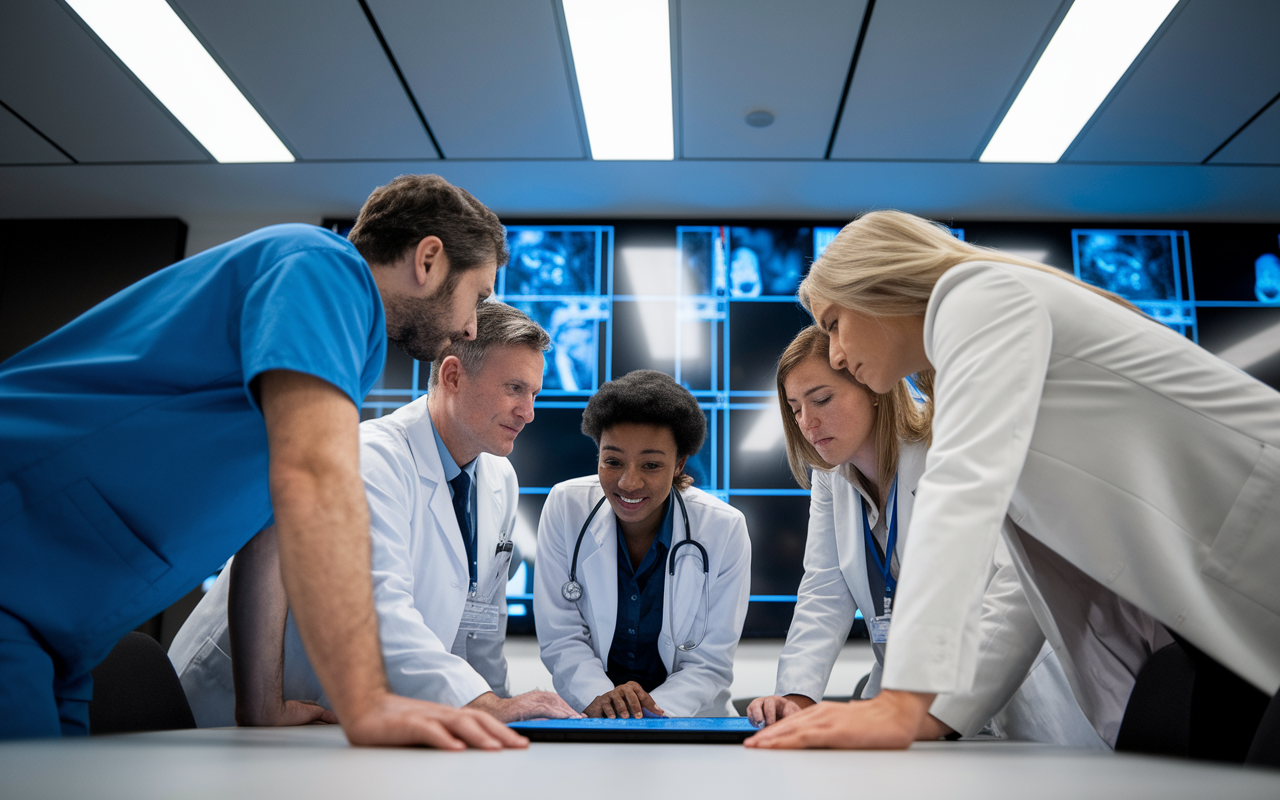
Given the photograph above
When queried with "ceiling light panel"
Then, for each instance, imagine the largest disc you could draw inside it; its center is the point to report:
(785, 59)
(899, 108)
(622, 57)
(1091, 50)
(164, 55)
(316, 68)
(1213, 68)
(56, 75)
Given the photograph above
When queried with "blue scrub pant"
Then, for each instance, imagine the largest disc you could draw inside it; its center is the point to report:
(35, 700)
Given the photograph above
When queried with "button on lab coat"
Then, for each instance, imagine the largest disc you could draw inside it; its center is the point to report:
(1143, 461)
(420, 581)
(575, 637)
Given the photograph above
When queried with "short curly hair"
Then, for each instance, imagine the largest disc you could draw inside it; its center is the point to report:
(648, 397)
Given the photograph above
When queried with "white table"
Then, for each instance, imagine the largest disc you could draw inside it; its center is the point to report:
(316, 763)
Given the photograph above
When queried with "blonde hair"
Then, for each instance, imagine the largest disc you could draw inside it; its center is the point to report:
(886, 263)
(898, 418)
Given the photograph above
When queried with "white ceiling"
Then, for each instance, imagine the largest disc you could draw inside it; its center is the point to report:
(483, 92)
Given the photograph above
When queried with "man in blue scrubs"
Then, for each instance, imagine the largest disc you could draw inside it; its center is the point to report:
(147, 440)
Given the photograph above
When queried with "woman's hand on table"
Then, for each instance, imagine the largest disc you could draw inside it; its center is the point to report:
(768, 710)
(889, 721)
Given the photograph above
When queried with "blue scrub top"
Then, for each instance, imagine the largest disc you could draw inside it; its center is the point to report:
(133, 456)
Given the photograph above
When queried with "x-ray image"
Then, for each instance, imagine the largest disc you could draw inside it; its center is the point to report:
(551, 262)
(572, 324)
(1136, 266)
(1266, 284)
(702, 261)
(767, 261)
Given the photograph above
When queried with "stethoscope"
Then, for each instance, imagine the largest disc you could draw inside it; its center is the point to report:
(572, 590)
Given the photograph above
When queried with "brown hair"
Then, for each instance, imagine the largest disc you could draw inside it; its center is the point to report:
(898, 418)
(412, 207)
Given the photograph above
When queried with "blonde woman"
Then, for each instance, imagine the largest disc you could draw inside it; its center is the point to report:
(867, 453)
(1141, 475)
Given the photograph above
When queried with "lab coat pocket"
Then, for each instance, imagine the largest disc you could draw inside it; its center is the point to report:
(1245, 555)
(73, 563)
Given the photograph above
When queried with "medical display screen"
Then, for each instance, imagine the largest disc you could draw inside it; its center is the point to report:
(714, 305)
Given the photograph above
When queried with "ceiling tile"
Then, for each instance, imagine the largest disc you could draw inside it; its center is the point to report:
(316, 72)
(63, 81)
(1257, 144)
(1216, 64)
(790, 59)
(490, 75)
(932, 77)
(21, 145)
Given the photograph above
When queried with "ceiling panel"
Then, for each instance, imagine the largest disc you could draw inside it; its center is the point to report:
(1257, 144)
(490, 75)
(932, 77)
(318, 74)
(21, 145)
(62, 80)
(790, 59)
(1216, 64)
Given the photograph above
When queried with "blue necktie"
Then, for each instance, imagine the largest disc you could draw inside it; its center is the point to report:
(462, 508)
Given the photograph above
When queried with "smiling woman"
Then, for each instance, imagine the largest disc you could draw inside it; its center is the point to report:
(632, 617)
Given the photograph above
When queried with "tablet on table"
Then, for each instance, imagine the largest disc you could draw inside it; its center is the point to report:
(682, 730)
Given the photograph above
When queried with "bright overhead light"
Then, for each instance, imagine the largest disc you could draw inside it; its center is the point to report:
(1091, 50)
(622, 56)
(159, 49)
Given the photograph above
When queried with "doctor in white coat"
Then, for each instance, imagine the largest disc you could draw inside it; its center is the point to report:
(867, 454)
(440, 596)
(1141, 475)
(642, 581)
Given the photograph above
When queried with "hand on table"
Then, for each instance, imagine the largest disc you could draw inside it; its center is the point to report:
(889, 721)
(627, 701)
(530, 705)
(768, 710)
(395, 720)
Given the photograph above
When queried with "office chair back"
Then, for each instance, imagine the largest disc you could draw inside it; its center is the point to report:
(136, 689)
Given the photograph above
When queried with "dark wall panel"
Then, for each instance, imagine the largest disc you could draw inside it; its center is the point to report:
(52, 271)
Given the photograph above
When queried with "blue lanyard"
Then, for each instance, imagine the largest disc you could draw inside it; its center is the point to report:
(891, 508)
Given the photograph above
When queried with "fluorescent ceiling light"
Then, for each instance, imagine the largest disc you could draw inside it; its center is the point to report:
(1092, 48)
(622, 56)
(159, 49)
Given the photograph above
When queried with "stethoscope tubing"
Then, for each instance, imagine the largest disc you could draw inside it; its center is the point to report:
(572, 590)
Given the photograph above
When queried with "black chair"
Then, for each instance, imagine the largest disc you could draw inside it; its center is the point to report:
(136, 689)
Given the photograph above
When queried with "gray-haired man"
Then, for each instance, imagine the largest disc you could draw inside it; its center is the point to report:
(442, 501)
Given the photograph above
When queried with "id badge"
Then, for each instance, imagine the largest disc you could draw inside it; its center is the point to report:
(479, 616)
(879, 627)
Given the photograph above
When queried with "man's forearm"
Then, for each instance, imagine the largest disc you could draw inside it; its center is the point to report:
(324, 558)
(256, 612)
(322, 524)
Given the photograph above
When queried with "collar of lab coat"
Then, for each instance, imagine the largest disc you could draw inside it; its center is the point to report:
(420, 433)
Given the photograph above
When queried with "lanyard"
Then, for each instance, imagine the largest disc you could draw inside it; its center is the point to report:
(884, 564)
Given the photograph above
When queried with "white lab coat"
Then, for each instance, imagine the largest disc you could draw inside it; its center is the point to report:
(420, 582)
(1013, 659)
(575, 637)
(1149, 468)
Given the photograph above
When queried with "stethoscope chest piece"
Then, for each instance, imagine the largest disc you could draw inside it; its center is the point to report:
(572, 591)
